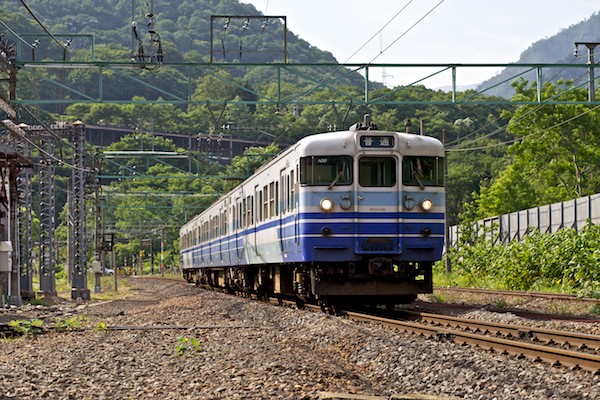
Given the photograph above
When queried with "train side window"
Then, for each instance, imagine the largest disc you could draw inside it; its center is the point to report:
(377, 171)
(272, 199)
(234, 217)
(248, 208)
(293, 190)
(265, 204)
(243, 213)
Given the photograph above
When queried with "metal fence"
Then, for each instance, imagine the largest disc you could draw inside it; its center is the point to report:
(546, 219)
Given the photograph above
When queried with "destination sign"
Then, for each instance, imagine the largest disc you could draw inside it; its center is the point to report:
(377, 141)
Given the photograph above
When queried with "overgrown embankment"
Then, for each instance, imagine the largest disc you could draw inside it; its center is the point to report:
(566, 261)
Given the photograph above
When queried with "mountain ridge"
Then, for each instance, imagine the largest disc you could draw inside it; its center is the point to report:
(550, 50)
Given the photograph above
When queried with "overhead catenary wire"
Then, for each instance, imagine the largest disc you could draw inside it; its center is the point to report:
(407, 30)
(47, 154)
(49, 130)
(529, 135)
(65, 48)
(15, 34)
(503, 128)
(331, 74)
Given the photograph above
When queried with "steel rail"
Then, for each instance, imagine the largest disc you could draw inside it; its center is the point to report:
(551, 355)
(543, 295)
(581, 340)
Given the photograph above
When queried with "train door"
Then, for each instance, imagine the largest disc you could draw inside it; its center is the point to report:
(237, 212)
(281, 204)
(295, 204)
(378, 205)
(257, 200)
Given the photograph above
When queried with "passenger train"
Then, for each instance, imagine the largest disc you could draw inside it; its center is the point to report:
(352, 217)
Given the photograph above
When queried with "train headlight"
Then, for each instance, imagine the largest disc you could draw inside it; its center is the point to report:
(426, 205)
(326, 204)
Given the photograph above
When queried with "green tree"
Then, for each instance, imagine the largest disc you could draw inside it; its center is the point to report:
(556, 157)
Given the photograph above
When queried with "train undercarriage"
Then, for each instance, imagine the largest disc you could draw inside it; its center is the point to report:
(378, 281)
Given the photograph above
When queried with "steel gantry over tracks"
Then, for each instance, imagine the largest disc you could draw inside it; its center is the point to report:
(317, 76)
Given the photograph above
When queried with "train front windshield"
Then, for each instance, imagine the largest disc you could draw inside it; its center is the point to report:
(423, 171)
(326, 170)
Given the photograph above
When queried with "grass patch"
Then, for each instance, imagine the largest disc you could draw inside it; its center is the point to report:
(107, 287)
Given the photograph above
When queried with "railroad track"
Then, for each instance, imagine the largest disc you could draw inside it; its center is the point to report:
(485, 335)
(541, 295)
(515, 340)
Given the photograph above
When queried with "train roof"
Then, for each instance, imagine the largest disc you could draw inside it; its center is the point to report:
(407, 143)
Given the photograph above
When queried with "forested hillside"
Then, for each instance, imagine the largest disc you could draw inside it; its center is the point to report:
(558, 49)
(183, 25)
(500, 158)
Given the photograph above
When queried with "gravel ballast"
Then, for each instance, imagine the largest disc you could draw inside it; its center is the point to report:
(174, 341)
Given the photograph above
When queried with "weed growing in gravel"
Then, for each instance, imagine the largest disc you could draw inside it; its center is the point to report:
(187, 345)
(101, 327)
(70, 324)
(27, 328)
(500, 303)
(437, 297)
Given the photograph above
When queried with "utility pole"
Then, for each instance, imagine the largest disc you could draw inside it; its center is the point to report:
(590, 46)
(47, 265)
(447, 263)
(79, 290)
(98, 262)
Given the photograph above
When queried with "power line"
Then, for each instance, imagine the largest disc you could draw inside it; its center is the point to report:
(408, 30)
(331, 74)
(503, 128)
(378, 32)
(571, 87)
(530, 135)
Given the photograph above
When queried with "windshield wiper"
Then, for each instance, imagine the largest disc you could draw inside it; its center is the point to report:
(415, 175)
(337, 177)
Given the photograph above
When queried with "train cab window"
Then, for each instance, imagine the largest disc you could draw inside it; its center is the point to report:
(423, 171)
(377, 171)
(326, 170)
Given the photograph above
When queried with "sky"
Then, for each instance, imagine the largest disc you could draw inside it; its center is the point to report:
(428, 31)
